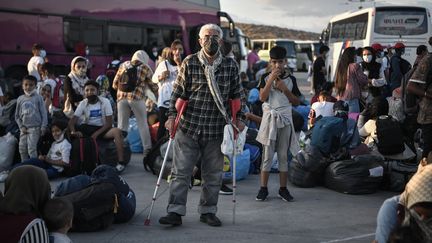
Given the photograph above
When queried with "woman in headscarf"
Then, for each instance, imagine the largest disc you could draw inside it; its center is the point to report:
(27, 189)
(74, 82)
(135, 99)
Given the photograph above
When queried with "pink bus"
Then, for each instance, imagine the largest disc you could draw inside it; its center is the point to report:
(106, 27)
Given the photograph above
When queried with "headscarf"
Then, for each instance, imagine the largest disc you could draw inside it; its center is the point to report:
(77, 80)
(419, 188)
(27, 189)
(141, 56)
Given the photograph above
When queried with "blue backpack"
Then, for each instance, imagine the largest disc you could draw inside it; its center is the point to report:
(326, 134)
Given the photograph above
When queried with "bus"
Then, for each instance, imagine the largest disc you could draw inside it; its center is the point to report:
(385, 25)
(241, 45)
(307, 51)
(106, 27)
(267, 44)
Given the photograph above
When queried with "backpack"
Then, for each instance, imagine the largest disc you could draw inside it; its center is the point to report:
(154, 153)
(390, 136)
(126, 197)
(84, 157)
(58, 93)
(94, 207)
(326, 134)
(128, 78)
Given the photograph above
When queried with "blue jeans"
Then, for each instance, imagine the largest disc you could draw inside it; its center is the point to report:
(50, 170)
(386, 219)
(354, 106)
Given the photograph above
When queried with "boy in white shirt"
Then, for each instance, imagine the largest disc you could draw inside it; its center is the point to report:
(58, 155)
(96, 115)
(35, 63)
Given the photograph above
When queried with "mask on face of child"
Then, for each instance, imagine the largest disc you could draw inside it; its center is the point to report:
(29, 93)
(42, 53)
(60, 138)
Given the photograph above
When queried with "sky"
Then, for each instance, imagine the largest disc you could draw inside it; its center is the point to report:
(308, 15)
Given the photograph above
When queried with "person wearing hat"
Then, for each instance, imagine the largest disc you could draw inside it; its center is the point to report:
(398, 67)
(410, 210)
(276, 132)
(58, 155)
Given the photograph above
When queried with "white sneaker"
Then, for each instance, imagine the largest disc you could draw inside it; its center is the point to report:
(4, 175)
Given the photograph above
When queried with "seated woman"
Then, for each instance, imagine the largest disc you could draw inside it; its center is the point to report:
(58, 155)
(96, 114)
(26, 192)
(379, 106)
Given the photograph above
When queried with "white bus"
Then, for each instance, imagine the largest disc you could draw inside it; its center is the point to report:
(267, 44)
(384, 25)
(307, 51)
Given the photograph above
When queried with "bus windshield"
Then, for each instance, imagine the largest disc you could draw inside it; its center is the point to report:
(401, 21)
(289, 46)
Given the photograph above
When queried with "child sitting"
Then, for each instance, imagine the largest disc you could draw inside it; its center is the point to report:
(58, 155)
(97, 118)
(321, 108)
(31, 117)
(58, 216)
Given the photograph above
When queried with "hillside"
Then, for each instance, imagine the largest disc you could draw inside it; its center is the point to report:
(254, 31)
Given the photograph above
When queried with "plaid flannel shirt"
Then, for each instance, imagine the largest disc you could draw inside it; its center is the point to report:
(202, 119)
(144, 78)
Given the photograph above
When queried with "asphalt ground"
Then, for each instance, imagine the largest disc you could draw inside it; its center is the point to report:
(317, 214)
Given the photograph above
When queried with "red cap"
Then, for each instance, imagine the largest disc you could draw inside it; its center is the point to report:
(399, 45)
(377, 47)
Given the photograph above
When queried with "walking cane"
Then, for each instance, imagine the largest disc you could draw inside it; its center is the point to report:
(180, 107)
(235, 107)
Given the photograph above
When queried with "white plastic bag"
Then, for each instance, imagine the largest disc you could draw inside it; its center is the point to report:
(7, 146)
(227, 146)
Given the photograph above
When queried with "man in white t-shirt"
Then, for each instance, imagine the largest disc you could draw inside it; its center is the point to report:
(321, 108)
(35, 63)
(95, 113)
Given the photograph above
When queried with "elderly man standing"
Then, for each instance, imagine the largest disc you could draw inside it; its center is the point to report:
(201, 126)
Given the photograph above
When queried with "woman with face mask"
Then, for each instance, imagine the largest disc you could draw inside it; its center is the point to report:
(74, 82)
(372, 69)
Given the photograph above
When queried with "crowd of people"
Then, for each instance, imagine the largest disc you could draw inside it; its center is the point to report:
(371, 84)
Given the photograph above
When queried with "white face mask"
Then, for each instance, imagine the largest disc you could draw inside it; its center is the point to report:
(87, 51)
(42, 53)
(367, 58)
(155, 53)
(60, 138)
(366, 72)
(29, 93)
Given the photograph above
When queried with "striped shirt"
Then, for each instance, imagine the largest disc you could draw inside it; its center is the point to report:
(35, 232)
(202, 119)
(144, 78)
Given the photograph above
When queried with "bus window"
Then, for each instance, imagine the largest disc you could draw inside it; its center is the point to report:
(401, 21)
(93, 35)
(71, 32)
(353, 28)
(124, 34)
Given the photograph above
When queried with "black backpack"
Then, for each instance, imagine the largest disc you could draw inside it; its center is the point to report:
(128, 79)
(84, 157)
(94, 207)
(390, 136)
